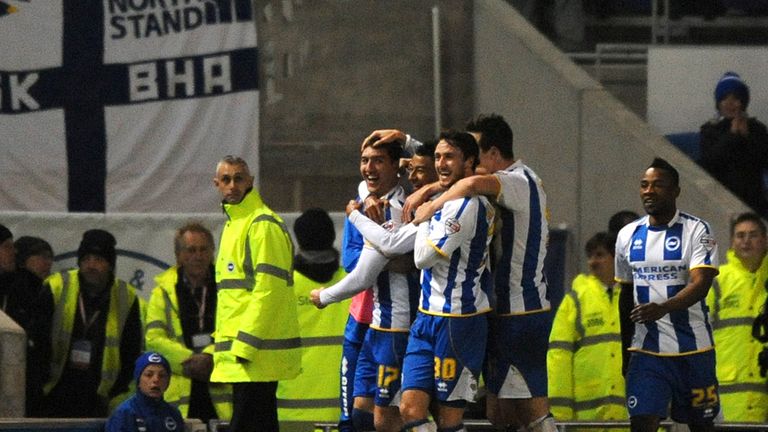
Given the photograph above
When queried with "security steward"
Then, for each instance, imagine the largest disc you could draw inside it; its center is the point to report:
(180, 319)
(314, 395)
(735, 300)
(90, 334)
(257, 330)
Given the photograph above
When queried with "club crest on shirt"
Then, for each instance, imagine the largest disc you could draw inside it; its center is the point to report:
(389, 225)
(452, 226)
(632, 401)
(707, 241)
(672, 243)
(170, 424)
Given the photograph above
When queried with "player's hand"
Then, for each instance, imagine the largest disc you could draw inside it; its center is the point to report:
(647, 312)
(314, 297)
(413, 202)
(198, 367)
(382, 136)
(424, 213)
(739, 125)
(375, 209)
(352, 205)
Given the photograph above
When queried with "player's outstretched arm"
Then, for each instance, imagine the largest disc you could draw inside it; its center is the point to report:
(368, 267)
(469, 186)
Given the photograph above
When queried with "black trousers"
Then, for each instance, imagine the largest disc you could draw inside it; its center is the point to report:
(254, 407)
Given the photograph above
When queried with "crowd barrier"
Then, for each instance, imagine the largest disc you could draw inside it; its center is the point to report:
(564, 426)
(476, 425)
(75, 425)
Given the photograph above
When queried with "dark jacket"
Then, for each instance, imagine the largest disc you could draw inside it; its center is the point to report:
(155, 415)
(738, 162)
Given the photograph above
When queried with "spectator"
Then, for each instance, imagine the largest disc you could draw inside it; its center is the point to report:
(34, 255)
(584, 357)
(619, 219)
(668, 259)
(734, 146)
(19, 291)
(90, 332)
(15, 299)
(734, 302)
(7, 258)
(257, 329)
(313, 395)
(146, 411)
(180, 319)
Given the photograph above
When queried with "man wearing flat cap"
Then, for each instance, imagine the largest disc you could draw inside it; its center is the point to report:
(92, 333)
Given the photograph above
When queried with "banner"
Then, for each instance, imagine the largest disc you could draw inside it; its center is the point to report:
(124, 105)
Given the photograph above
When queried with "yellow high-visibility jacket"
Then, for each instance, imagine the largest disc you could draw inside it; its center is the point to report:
(257, 329)
(165, 335)
(736, 298)
(584, 357)
(314, 395)
(65, 287)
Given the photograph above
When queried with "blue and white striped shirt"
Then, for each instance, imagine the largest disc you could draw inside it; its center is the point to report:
(395, 295)
(658, 261)
(452, 251)
(519, 282)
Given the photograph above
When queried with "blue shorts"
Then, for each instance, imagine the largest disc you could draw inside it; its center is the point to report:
(379, 367)
(445, 356)
(354, 334)
(688, 382)
(516, 364)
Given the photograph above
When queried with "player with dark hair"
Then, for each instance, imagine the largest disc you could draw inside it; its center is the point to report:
(668, 259)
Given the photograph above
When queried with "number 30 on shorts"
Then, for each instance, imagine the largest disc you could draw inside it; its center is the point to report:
(701, 397)
(445, 368)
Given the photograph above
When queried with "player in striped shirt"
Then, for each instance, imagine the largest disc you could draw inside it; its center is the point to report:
(519, 328)
(395, 296)
(447, 340)
(669, 259)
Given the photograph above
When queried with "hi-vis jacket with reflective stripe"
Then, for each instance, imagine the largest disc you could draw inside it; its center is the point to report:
(256, 312)
(584, 357)
(314, 395)
(65, 287)
(165, 335)
(736, 298)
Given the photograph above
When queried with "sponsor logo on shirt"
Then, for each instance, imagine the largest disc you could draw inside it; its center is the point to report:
(452, 226)
(708, 242)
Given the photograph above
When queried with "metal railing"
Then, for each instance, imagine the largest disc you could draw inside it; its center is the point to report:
(564, 426)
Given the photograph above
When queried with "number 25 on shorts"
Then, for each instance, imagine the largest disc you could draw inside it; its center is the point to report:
(703, 397)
